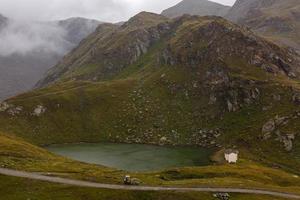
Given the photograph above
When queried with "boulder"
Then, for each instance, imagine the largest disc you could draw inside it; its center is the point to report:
(4, 106)
(15, 110)
(163, 140)
(296, 98)
(269, 127)
(39, 110)
(212, 99)
(288, 143)
(280, 121)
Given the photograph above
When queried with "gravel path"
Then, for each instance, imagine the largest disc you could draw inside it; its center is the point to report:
(35, 176)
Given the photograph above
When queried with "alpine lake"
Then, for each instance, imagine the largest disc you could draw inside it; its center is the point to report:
(134, 157)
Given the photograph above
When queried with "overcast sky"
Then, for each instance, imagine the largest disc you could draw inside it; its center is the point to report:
(104, 10)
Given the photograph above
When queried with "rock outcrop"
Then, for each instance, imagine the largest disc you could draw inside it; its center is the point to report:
(273, 129)
(39, 110)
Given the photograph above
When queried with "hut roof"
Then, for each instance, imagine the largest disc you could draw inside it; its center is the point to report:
(229, 151)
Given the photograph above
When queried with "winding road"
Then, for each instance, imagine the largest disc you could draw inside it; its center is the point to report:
(34, 176)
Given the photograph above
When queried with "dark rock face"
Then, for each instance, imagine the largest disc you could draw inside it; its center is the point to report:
(196, 7)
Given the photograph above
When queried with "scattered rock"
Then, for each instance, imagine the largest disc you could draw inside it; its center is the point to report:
(212, 99)
(277, 97)
(287, 141)
(280, 121)
(13, 111)
(39, 110)
(268, 128)
(4, 106)
(296, 98)
(230, 106)
(163, 141)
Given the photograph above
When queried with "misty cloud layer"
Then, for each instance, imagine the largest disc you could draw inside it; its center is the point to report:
(23, 37)
(103, 10)
(26, 33)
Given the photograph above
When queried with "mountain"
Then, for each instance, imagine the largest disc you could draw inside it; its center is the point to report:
(78, 28)
(277, 20)
(192, 80)
(196, 7)
(102, 51)
(29, 49)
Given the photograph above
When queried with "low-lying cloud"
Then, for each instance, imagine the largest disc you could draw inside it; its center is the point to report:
(103, 10)
(23, 37)
(29, 29)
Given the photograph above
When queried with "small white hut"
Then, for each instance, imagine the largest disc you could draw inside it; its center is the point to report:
(231, 155)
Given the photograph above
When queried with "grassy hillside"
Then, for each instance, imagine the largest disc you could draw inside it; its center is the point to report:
(19, 189)
(196, 81)
(18, 154)
(199, 81)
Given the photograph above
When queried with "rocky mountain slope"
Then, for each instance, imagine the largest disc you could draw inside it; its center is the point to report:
(196, 7)
(188, 81)
(29, 49)
(277, 20)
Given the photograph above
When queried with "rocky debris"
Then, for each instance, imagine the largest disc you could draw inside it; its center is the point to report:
(286, 140)
(212, 99)
(163, 140)
(10, 109)
(4, 106)
(268, 128)
(273, 127)
(216, 76)
(277, 97)
(206, 138)
(230, 106)
(39, 110)
(13, 111)
(296, 98)
(281, 121)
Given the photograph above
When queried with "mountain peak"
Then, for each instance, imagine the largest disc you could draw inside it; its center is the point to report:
(275, 19)
(196, 7)
(145, 19)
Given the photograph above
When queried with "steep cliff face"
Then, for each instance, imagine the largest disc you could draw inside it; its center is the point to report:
(188, 81)
(275, 19)
(196, 7)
